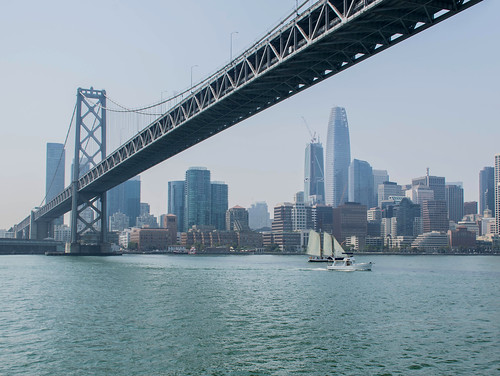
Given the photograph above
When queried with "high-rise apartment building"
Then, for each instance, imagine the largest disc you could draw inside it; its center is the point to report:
(126, 198)
(497, 194)
(455, 201)
(361, 183)
(258, 216)
(219, 205)
(175, 203)
(54, 174)
(301, 213)
(197, 197)
(487, 190)
(338, 158)
(314, 177)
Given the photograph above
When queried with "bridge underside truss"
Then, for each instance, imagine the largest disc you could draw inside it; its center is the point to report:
(326, 39)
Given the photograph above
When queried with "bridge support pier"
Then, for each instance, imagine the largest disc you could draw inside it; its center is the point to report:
(77, 249)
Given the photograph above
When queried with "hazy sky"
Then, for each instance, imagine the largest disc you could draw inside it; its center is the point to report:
(431, 101)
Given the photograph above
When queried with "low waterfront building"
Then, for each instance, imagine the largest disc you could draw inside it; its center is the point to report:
(149, 239)
(431, 241)
(462, 238)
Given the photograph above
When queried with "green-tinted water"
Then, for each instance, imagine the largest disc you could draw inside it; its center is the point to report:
(248, 315)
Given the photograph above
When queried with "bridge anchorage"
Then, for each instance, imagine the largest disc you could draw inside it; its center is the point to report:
(303, 50)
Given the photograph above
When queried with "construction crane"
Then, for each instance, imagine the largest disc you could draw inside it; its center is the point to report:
(313, 135)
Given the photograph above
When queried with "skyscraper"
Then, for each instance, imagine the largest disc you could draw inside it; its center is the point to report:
(219, 205)
(497, 194)
(197, 197)
(436, 183)
(379, 176)
(338, 158)
(487, 190)
(314, 177)
(258, 216)
(54, 174)
(455, 202)
(175, 203)
(126, 198)
(361, 183)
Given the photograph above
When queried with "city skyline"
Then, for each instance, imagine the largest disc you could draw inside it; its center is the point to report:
(448, 93)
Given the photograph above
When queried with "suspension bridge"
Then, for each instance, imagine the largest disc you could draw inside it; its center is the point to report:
(307, 47)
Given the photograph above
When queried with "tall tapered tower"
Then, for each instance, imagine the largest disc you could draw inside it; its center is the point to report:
(338, 158)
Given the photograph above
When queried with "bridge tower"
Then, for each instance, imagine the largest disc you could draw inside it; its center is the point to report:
(88, 211)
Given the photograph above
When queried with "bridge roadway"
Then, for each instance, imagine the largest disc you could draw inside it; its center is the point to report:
(325, 39)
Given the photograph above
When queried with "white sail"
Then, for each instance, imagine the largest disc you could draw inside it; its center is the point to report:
(313, 245)
(327, 245)
(338, 250)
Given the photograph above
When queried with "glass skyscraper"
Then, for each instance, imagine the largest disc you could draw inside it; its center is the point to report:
(361, 183)
(338, 158)
(487, 190)
(197, 197)
(314, 177)
(175, 203)
(126, 198)
(54, 174)
(219, 204)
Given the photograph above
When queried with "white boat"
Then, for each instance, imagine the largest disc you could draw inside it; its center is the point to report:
(344, 261)
(314, 250)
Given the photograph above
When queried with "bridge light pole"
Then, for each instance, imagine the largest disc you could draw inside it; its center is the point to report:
(231, 46)
(193, 66)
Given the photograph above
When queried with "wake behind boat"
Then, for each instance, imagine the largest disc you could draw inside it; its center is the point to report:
(345, 261)
(314, 250)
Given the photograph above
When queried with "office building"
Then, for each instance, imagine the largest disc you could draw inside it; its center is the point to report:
(379, 176)
(387, 189)
(54, 174)
(436, 183)
(322, 218)
(149, 239)
(314, 178)
(126, 198)
(420, 193)
(219, 204)
(435, 216)
(361, 183)
(175, 204)
(497, 194)
(237, 219)
(338, 158)
(197, 197)
(258, 216)
(431, 241)
(487, 190)
(406, 213)
(118, 222)
(283, 220)
(455, 202)
(350, 219)
(470, 207)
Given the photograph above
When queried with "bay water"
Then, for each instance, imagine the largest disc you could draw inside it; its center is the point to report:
(248, 315)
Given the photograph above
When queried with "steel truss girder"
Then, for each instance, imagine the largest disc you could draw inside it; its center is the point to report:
(329, 37)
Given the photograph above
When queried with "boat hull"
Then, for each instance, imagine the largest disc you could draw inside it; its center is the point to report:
(365, 266)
